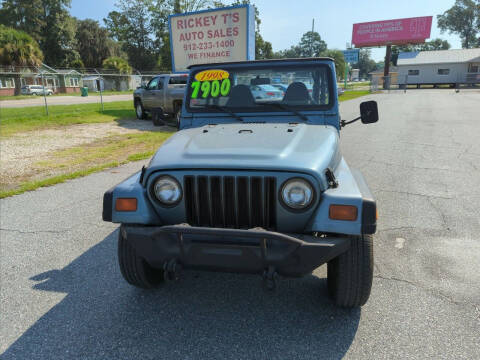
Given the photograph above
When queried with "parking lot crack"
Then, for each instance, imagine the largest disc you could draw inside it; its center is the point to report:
(410, 166)
(37, 231)
(414, 194)
(432, 291)
(440, 213)
(401, 228)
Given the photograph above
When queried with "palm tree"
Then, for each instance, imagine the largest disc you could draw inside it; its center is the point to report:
(18, 50)
(119, 66)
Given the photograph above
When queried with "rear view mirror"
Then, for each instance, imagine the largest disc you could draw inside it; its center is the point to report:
(369, 112)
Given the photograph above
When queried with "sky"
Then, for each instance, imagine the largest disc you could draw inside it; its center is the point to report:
(284, 21)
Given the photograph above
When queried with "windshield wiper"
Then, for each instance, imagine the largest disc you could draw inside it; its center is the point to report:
(225, 110)
(284, 107)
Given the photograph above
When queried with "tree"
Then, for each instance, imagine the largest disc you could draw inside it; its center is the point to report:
(29, 19)
(365, 63)
(463, 19)
(77, 64)
(92, 42)
(263, 49)
(119, 66)
(133, 26)
(18, 49)
(48, 22)
(336, 55)
(311, 44)
(435, 44)
(293, 52)
(181, 6)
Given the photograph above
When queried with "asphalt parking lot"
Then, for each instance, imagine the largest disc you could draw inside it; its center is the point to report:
(62, 295)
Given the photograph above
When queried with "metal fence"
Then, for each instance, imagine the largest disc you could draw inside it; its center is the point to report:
(69, 80)
(403, 82)
(89, 85)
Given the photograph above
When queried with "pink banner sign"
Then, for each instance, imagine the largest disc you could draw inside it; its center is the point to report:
(394, 32)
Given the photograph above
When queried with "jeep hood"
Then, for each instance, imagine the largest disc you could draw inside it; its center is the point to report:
(304, 148)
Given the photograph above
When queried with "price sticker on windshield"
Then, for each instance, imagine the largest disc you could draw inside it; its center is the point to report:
(211, 83)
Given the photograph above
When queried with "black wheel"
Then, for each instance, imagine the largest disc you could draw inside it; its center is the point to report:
(139, 110)
(134, 268)
(350, 274)
(178, 114)
(158, 118)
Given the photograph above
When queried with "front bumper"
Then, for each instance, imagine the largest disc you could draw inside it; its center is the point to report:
(232, 250)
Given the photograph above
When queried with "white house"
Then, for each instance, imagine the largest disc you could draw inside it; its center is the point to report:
(459, 66)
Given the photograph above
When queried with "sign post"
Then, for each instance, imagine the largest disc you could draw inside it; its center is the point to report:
(44, 93)
(350, 56)
(345, 75)
(211, 36)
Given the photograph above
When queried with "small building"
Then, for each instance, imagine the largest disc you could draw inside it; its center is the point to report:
(7, 85)
(355, 74)
(459, 66)
(377, 78)
(12, 78)
(44, 74)
(70, 81)
(93, 83)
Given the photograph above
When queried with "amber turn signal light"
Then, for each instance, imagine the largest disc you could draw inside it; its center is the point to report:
(343, 212)
(126, 204)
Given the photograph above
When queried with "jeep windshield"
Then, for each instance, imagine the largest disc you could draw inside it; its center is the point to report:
(260, 88)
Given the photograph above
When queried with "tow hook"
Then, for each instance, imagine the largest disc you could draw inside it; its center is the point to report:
(172, 270)
(270, 277)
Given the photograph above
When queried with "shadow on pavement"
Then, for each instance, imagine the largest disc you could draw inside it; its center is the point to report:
(205, 315)
(145, 125)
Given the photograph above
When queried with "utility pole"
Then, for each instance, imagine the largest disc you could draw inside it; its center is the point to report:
(311, 38)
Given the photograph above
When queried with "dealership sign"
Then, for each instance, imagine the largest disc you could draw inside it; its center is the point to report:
(211, 36)
(392, 32)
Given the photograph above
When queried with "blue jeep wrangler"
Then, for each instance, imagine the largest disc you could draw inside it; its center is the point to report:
(253, 182)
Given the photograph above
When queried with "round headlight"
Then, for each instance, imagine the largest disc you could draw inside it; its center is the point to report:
(167, 190)
(297, 193)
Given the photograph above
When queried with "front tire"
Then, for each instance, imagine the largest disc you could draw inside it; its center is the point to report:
(350, 274)
(158, 117)
(178, 114)
(135, 270)
(139, 110)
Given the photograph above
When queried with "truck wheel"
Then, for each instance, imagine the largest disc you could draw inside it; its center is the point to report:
(139, 110)
(178, 114)
(134, 268)
(158, 118)
(350, 274)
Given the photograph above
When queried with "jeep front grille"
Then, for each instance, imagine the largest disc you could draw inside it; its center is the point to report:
(230, 202)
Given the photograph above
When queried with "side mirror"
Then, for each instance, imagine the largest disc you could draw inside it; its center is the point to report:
(369, 112)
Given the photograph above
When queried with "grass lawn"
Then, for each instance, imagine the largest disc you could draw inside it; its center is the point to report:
(90, 93)
(78, 161)
(352, 94)
(16, 120)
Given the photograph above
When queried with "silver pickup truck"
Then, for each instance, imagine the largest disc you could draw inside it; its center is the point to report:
(162, 97)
